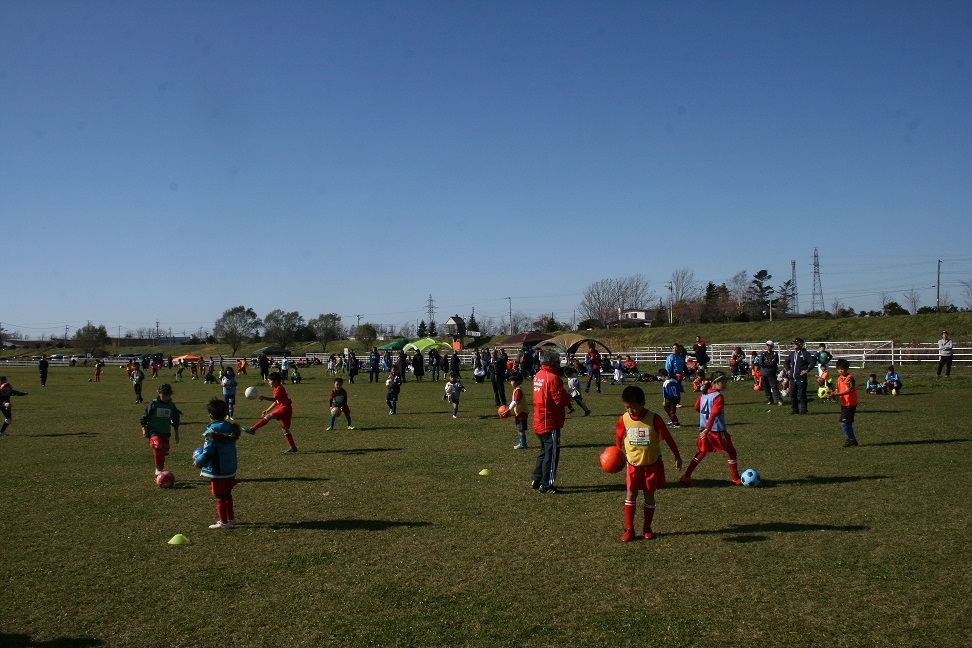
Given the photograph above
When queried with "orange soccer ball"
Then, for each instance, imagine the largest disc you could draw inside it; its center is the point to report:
(503, 411)
(612, 459)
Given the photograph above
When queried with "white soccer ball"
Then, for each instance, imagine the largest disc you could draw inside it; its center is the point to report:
(750, 477)
(252, 393)
(335, 410)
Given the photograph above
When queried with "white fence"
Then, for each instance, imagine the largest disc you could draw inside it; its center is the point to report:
(861, 354)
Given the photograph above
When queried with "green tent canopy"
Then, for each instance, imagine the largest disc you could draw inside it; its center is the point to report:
(394, 345)
(425, 344)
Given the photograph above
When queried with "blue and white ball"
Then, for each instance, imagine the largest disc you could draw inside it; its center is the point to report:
(198, 455)
(750, 477)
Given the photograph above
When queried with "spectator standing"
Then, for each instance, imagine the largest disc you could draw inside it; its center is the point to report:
(42, 370)
(769, 367)
(798, 364)
(374, 359)
(945, 355)
(497, 377)
(549, 400)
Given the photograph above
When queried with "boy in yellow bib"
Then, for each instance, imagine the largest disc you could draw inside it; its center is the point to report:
(639, 434)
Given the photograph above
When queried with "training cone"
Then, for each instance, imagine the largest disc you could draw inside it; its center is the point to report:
(484, 472)
(179, 539)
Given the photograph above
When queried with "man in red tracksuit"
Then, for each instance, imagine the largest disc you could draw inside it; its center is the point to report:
(549, 400)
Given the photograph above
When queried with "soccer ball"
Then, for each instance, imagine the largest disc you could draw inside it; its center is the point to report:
(165, 479)
(335, 410)
(503, 411)
(823, 392)
(750, 477)
(197, 456)
(612, 459)
(252, 393)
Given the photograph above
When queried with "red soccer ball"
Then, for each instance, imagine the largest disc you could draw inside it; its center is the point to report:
(503, 411)
(612, 459)
(165, 479)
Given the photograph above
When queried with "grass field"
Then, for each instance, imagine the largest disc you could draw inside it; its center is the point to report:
(387, 535)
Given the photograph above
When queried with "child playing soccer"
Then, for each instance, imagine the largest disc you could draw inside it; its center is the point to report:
(713, 436)
(639, 434)
(137, 376)
(394, 385)
(229, 390)
(6, 391)
(573, 389)
(453, 389)
(160, 416)
(338, 401)
(281, 408)
(892, 383)
(217, 462)
(672, 393)
(519, 411)
(847, 393)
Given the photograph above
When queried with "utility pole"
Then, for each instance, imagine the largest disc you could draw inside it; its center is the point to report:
(510, 300)
(938, 288)
(359, 319)
(671, 314)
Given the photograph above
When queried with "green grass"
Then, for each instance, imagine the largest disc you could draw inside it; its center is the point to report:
(387, 535)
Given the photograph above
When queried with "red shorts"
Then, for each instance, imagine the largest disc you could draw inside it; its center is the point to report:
(715, 442)
(283, 415)
(646, 478)
(222, 486)
(160, 444)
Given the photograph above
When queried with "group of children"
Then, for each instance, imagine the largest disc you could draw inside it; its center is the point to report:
(639, 433)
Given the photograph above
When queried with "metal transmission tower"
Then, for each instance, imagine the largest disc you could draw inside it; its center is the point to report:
(430, 307)
(818, 302)
(795, 302)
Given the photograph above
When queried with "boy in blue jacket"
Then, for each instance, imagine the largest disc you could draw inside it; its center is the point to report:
(216, 460)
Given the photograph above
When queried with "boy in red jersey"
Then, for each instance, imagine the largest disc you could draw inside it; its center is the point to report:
(281, 409)
(639, 434)
(847, 393)
(713, 436)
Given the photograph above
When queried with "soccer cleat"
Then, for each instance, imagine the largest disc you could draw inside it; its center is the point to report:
(520, 447)
(158, 471)
(290, 450)
(455, 416)
(222, 525)
(685, 479)
(4, 433)
(628, 535)
(737, 481)
(548, 489)
(676, 424)
(391, 411)
(588, 412)
(535, 484)
(350, 427)
(328, 428)
(850, 443)
(649, 535)
(248, 430)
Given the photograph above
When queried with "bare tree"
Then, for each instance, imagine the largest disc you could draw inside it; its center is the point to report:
(836, 306)
(913, 299)
(967, 293)
(520, 321)
(885, 299)
(685, 287)
(605, 299)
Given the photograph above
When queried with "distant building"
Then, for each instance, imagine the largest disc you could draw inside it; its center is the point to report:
(636, 316)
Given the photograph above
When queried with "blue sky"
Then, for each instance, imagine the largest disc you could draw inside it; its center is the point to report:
(165, 161)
